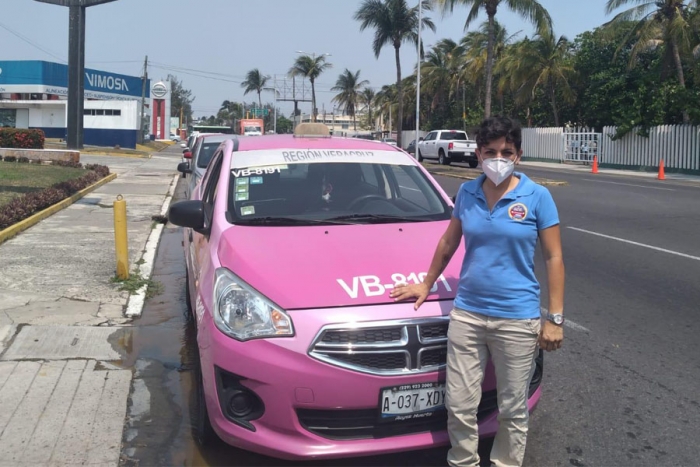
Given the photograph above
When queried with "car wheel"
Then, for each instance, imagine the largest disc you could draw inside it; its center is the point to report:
(473, 164)
(420, 157)
(442, 159)
(202, 430)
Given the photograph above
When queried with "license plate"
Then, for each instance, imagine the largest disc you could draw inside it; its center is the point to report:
(411, 401)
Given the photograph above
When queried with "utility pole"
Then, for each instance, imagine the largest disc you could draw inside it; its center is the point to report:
(76, 67)
(420, 20)
(144, 85)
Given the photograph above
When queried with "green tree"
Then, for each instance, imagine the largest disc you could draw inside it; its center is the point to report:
(660, 22)
(394, 23)
(348, 86)
(368, 99)
(255, 81)
(310, 67)
(543, 62)
(284, 125)
(180, 100)
(530, 9)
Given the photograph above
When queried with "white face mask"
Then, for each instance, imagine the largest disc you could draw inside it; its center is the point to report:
(498, 169)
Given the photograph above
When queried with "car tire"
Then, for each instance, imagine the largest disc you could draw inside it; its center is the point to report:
(473, 164)
(442, 160)
(420, 157)
(202, 431)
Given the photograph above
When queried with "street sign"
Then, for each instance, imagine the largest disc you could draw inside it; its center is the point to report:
(260, 112)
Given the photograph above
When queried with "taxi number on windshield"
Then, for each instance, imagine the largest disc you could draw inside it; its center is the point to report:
(373, 286)
(258, 171)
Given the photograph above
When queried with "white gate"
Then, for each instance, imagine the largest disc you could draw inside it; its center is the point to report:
(581, 146)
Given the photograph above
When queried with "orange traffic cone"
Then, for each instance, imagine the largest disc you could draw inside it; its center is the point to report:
(595, 165)
(662, 175)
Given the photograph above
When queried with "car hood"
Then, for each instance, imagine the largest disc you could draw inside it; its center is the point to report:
(333, 266)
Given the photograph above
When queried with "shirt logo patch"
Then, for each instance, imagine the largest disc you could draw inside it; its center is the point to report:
(517, 212)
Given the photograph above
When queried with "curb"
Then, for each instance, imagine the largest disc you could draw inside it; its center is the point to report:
(41, 215)
(107, 154)
(135, 303)
(543, 182)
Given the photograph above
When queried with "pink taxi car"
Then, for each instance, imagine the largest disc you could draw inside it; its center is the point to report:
(291, 251)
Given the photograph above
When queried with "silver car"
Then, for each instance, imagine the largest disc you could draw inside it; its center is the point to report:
(204, 149)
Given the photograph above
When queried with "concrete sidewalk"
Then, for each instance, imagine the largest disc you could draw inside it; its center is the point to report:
(583, 169)
(62, 392)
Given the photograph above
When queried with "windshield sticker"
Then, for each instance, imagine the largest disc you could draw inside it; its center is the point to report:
(374, 286)
(256, 180)
(247, 210)
(242, 181)
(242, 189)
(242, 196)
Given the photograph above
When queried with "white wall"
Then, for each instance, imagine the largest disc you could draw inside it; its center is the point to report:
(128, 120)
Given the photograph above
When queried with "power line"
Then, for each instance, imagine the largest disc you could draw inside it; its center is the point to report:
(32, 43)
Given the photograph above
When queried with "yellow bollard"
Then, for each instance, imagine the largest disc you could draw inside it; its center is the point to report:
(121, 244)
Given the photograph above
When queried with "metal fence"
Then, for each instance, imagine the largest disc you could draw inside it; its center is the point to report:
(677, 145)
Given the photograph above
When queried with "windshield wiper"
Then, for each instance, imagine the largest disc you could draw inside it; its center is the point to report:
(377, 218)
(280, 220)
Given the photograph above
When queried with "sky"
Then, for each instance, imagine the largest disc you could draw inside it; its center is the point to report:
(211, 44)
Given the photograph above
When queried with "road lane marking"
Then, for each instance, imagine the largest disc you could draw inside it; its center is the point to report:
(628, 184)
(567, 322)
(696, 258)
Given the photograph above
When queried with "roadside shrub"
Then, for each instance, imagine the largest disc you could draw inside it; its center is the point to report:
(23, 160)
(18, 138)
(21, 207)
(72, 164)
(0, 158)
(37, 161)
(10, 159)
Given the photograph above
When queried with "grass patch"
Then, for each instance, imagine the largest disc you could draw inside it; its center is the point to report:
(135, 282)
(151, 146)
(18, 179)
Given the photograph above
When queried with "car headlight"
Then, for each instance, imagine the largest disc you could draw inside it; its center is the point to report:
(243, 313)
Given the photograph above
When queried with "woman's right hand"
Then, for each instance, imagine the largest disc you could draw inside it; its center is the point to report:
(406, 292)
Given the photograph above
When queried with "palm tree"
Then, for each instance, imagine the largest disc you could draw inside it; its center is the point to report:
(542, 62)
(531, 9)
(367, 97)
(394, 23)
(255, 81)
(348, 87)
(659, 22)
(439, 70)
(310, 67)
(386, 103)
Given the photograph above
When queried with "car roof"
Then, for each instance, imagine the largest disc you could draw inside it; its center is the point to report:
(292, 142)
(217, 137)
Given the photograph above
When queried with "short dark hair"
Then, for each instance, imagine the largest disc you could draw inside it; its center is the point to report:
(498, 127)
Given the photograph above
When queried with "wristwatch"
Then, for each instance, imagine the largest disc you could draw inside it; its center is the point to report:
(556, 318)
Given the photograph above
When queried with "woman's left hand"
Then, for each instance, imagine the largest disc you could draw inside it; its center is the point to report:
(551, 336)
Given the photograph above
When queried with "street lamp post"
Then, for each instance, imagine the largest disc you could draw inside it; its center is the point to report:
(275, 110)
(420, 20)
(76, 67)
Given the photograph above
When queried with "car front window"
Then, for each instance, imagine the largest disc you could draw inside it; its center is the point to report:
(333, 192)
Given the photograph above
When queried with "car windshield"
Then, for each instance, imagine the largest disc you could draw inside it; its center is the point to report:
(206, 152)
(332, 193)
(454, 136)
(252, 128)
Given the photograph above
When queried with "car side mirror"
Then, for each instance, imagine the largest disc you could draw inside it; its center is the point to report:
(184, 168)
(421, 139)
(454, 199)
(187, 154)
(188, 214)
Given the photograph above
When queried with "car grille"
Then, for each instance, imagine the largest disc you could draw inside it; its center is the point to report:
(384, 348)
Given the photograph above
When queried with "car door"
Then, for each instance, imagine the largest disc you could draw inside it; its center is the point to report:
(425, 145)
(431, 145)
(198, 243)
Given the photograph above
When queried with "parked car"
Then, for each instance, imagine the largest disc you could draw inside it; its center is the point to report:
(174, 137)
(204, 149)
(448, 146)
(411, 149)
(390, 141)
(292, 245)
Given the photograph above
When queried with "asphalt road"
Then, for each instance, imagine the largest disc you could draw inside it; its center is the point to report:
(624, 390)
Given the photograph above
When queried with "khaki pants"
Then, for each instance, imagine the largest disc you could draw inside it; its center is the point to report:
(512, 346)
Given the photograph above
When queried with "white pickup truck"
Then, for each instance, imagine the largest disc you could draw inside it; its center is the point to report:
(447, 146)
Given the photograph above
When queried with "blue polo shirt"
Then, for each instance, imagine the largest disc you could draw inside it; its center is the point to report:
(498, 270)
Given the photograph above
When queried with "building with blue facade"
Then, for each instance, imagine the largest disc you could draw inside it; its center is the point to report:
(33, 94)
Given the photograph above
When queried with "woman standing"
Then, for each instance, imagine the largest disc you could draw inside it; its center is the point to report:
(496, 314)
